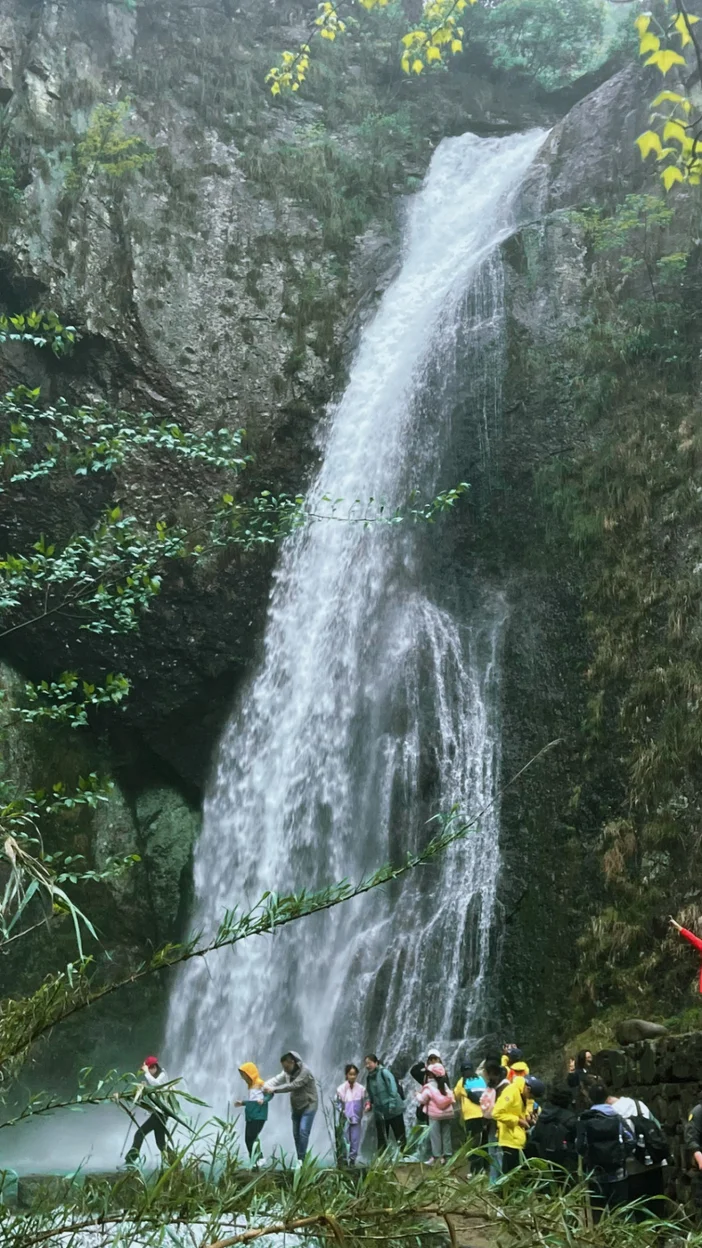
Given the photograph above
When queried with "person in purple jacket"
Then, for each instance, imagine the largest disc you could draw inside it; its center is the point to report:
(350, 1097)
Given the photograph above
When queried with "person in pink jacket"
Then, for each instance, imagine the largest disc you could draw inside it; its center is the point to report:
(694, 940)
(437, 1098)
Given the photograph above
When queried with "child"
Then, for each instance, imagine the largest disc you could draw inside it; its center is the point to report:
(468, 1092)
(255, 1106)
(350, 1098)
(439, 1100)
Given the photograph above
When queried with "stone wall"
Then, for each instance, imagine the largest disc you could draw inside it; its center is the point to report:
(666, 1075)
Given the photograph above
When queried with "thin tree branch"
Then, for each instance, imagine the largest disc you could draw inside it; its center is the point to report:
(298, 906)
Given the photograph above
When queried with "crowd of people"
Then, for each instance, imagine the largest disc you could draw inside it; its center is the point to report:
(500, 1110)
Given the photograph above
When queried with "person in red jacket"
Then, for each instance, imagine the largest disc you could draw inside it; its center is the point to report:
(694, 940)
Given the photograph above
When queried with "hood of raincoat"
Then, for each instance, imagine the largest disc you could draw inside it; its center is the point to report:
(295, 1056)
(251, 1069)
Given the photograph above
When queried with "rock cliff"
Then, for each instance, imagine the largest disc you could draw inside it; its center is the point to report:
(224, 283)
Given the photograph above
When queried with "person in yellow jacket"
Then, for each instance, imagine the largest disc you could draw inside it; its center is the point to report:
(474, 1124)
(513, 1113)
(516, 1066)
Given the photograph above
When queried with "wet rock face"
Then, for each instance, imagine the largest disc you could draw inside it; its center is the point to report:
(205, 286)
(186, 283)
(550, 822)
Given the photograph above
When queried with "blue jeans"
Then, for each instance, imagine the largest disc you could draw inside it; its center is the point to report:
(302, 1120)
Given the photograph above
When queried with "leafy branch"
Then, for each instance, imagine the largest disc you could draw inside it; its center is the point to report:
(681, 122)
(65, 994)
(325, 1205)
(95, 439)
(33, 881)
(437, 34)
(39, 329)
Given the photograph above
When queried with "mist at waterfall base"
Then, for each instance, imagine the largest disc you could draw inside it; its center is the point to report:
(376, 703)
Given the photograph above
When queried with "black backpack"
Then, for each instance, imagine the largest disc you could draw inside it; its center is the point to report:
(605, 1149)
(553, 1140)
(650, 1144)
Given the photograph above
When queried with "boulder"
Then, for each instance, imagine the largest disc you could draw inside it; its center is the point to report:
(632, 1029)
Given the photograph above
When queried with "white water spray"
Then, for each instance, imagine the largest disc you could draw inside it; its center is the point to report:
(376, 702)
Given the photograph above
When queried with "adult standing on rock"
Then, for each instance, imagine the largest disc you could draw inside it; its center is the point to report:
(386, 1101)
(298, 1080)
(577, 1079)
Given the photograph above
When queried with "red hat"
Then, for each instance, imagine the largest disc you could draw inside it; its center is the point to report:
(150, 1061)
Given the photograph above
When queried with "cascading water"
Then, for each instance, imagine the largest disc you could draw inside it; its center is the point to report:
(376, 701)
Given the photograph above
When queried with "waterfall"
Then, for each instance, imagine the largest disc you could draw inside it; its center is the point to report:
(376, 702)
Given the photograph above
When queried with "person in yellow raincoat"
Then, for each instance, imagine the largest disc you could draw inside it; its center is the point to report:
(513, 1113)
(474, 1124)
(255, 1106)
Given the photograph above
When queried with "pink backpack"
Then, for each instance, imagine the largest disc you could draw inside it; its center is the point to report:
(487, 1102)
(444, 1100)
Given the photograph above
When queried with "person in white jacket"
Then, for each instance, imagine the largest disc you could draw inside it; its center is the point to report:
(154, 1077)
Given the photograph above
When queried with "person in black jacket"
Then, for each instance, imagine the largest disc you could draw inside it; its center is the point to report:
(693, 1143)
(553, 1136)
(578, 1079)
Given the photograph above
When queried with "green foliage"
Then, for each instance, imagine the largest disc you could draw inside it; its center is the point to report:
(10, 194)
(635, 232)
(346, 181)
(38, 329)
(95, 438)
(207, 1196)
(106, 148)
(625, 495)
(551, 41)
(32, 889)
(66, 700)
(106, 577)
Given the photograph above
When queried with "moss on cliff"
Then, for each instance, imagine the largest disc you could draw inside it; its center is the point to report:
(625, 497)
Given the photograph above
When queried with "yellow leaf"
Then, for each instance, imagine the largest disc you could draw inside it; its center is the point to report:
(405, 63)
(675, 130)
(672, 97)
(642, 23)
(456, 46)
(671, 175)
(649, 43)
(408, 39)
(649, 142)
(296, 86)
(681, 26)
(275, 89)
(665, 60)
(433, 54)
(328, 34)
(417, 66)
